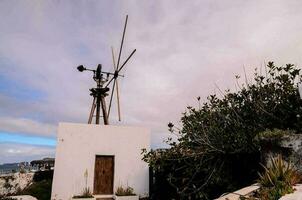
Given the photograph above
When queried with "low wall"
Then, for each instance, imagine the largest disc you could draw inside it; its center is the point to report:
(289, 146)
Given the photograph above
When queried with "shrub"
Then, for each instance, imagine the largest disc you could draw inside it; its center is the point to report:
(278, 179)
(40, 187)
(120, 191)
(85, 194)
(272, 135)
(216, 143)
(41, 190)
(43, 175)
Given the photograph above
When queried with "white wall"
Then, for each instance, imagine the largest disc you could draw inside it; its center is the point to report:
(77, 146)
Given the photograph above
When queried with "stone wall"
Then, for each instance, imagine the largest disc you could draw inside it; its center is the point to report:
(289, 146)
(12, 183)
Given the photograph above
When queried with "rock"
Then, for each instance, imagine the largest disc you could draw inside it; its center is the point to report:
(11, 183)
(24, 197)
(289, 146)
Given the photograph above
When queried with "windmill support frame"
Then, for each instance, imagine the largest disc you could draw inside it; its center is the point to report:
(101, 91)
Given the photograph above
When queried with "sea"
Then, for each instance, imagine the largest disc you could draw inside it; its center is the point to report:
(8, 168)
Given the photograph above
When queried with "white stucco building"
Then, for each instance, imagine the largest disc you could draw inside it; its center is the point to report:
(110, 154)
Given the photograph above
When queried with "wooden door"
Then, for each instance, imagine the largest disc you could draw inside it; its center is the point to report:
(103, 175)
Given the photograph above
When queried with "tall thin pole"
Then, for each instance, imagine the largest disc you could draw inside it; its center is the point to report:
(122, 42)
(105, 116)
(118, 102)
(101, 91)
(97, 117)
(92, 111)
(117, 88)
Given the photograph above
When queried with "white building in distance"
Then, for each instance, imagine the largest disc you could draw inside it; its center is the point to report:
(110, 154)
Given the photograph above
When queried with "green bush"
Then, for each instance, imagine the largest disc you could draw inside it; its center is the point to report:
(216, 145)
(43, 175)
(41, 190)
(41, 186)
(278, 179)
(275, 134)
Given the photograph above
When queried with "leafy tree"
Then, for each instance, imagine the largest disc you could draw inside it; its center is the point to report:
(216, 149)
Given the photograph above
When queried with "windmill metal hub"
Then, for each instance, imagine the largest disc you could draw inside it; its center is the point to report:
(99, 92)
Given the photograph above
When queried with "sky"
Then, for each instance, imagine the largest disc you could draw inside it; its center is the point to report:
(185, 49)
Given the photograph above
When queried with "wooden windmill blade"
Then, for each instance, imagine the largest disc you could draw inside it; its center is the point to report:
(115, 85)
(117, 88)
(118, 101)
(102, 84)
(122, 43)
(111, 97)
(116, 72)
(117, 69)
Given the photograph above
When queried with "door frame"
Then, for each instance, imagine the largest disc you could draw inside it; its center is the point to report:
(113, 171)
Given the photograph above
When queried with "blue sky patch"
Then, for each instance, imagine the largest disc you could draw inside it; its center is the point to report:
(18, 90)
(33, 140)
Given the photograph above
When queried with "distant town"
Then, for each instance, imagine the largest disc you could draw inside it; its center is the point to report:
(34, 165)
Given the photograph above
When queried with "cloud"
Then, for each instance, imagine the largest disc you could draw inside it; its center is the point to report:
(28, 126)
(13, 152)
(183, 48)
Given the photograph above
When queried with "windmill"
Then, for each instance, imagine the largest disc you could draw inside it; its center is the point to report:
(103, 81)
